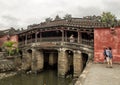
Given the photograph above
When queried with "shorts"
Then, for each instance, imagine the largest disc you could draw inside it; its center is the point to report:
(108, 59)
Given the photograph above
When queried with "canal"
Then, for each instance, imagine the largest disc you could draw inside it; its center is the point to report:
(47, 77)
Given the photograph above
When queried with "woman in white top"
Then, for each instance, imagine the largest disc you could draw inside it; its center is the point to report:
(72, 39)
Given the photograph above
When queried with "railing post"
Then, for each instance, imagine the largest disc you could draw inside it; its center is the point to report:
(31, 38)
(26, 39)
(36, 37)
(78, 37)
(66, 36)
(62, 35)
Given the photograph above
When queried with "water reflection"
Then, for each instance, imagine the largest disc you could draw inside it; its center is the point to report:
(48, 77)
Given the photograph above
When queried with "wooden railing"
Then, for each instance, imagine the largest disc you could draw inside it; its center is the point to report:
(56, 39)
(77, 45)
(47, 39)
(50, 39)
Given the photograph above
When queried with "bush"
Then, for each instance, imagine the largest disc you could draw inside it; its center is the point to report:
(10, 47)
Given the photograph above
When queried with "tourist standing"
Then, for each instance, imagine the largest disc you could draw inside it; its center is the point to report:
(105, 55)
(109, 57)
(72, 39)
(108, 60)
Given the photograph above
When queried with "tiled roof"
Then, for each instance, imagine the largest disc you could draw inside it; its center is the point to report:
(11, 31)
(85, 22)
(72, 22)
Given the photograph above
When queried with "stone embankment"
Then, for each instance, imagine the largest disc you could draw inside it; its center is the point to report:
(83, 76)
(6, 66)
(4, 75)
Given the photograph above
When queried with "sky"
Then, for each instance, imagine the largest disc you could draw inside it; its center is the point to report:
(21, 13)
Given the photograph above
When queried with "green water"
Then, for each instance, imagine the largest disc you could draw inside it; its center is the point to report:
(48, 77)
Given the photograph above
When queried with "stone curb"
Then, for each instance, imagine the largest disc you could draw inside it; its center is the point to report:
(82, 77)
(5, 75)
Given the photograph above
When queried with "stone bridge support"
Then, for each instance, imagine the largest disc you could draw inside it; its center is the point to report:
(62, 63)
(26, 60)
(52, 59)
(90, 56)
(77, 63)
(37, 60)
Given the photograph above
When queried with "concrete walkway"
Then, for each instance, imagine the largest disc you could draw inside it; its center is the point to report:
(98, 74)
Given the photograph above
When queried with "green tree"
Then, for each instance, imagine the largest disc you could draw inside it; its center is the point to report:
(10, 47)
(67, 16)
(48, 19)
(109, 19)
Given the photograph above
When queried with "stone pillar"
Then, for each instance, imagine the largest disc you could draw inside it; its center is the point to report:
(40, 60)
(62, 63)
(90, 56)
(77, 62)
(52, 59)
(37, 60)
(26, 60)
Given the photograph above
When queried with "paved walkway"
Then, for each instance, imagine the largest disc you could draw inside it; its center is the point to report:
(98, 74)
